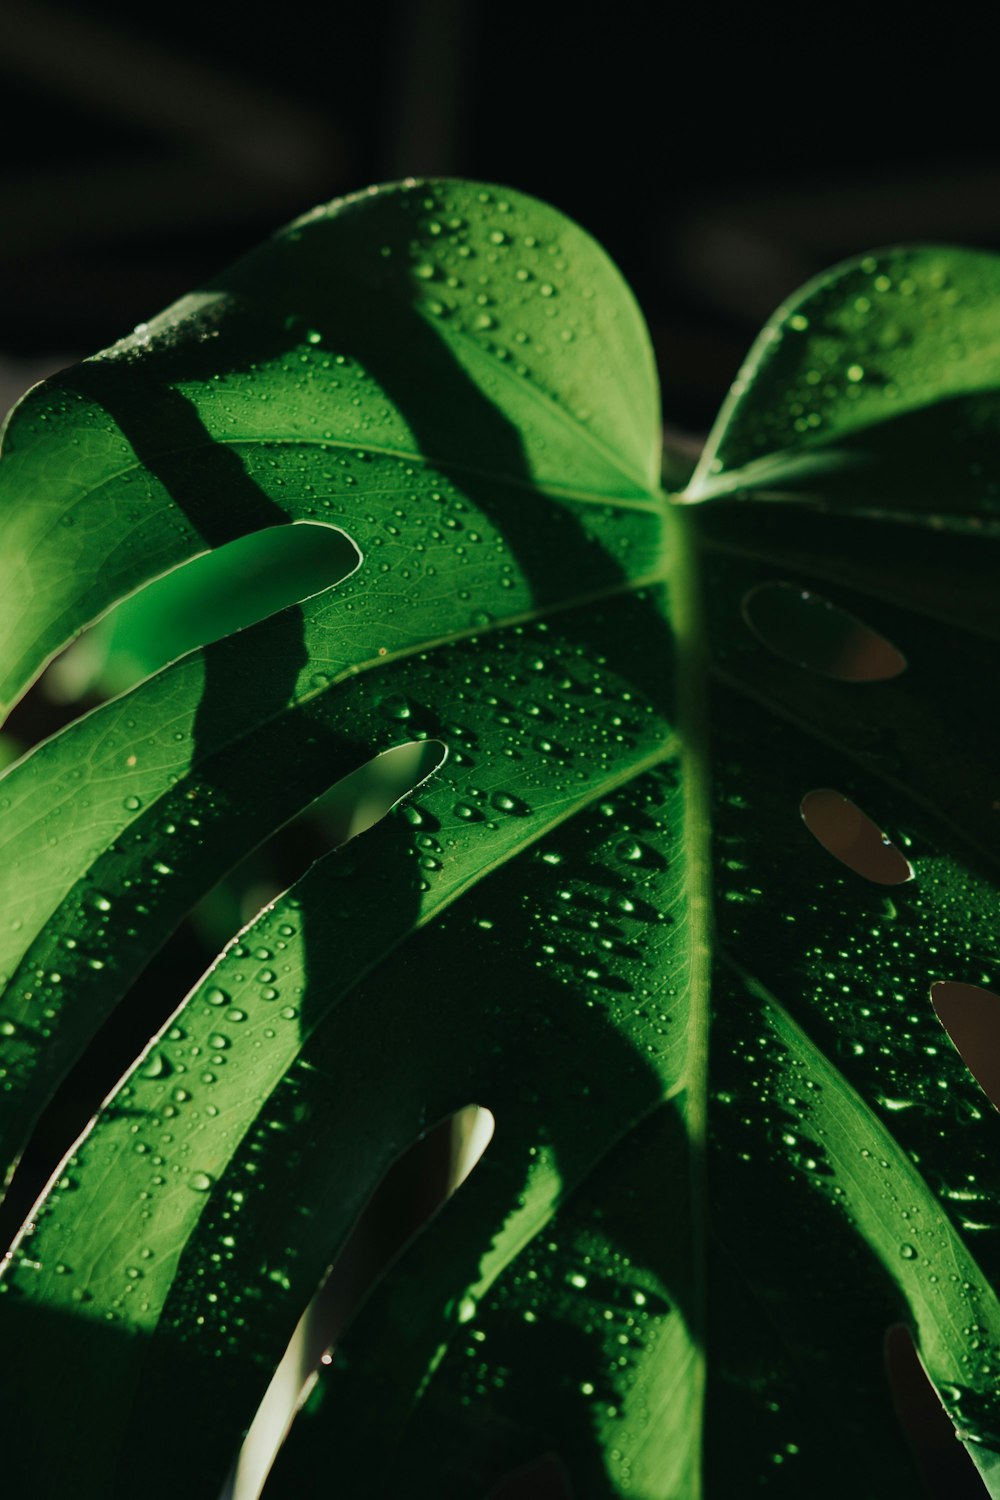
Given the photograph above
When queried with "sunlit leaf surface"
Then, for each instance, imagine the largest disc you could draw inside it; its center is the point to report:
(717, 806)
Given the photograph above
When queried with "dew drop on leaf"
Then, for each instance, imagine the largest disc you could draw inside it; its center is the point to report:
(466, 1310)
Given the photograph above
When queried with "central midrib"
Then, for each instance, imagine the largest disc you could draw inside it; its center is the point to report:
(692, 698)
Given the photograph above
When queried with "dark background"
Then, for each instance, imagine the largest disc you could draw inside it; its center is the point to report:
(721, 155)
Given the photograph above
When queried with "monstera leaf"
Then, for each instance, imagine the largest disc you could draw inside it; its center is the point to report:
(632, 912)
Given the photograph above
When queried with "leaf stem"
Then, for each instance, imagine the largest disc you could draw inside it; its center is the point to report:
(692, 717)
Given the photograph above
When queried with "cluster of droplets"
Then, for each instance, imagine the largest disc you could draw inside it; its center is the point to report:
(183, 1113)
(97, 938)
(498, 280)
(577, 1308)
(872, 341)
(167, 1131)
(865, 949)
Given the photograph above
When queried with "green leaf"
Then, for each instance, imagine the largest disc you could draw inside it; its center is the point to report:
(465, 518)
(667, 1272)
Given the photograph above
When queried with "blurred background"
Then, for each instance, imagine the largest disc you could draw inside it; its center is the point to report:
(721, 155)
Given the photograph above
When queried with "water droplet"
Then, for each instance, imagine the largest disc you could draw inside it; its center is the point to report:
(395, 706)
(513, 806)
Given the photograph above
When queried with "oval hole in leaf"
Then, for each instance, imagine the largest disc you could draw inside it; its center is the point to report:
(948, 1471)
(850, 836)
(227, 589)
(807, 629)
(971, 1017)
(353, 805)
(412, 1190)
(361, 799)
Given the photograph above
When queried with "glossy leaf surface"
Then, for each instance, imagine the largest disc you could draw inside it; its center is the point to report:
(733, 1141)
